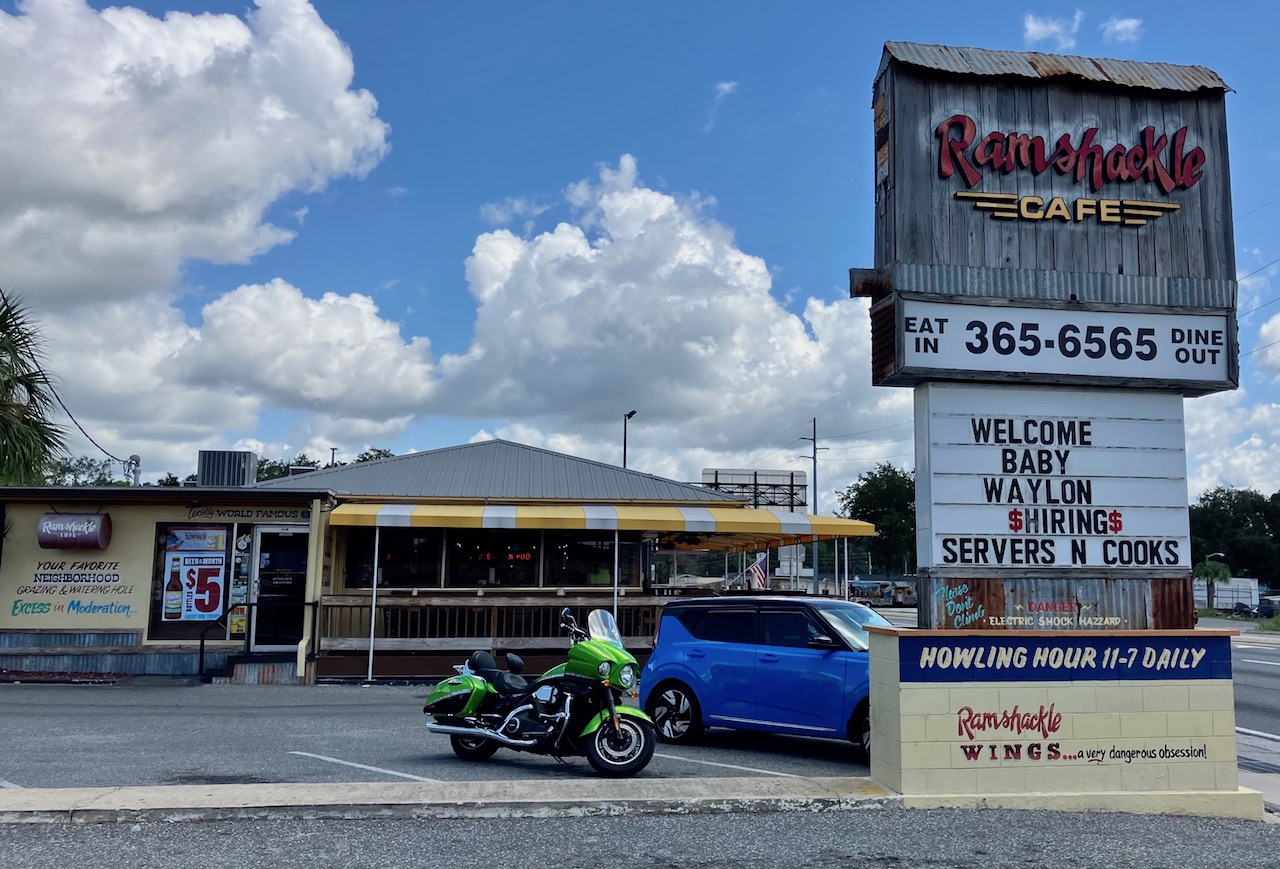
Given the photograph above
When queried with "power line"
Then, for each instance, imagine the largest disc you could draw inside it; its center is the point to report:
(871, 446)
(1251, 274)
(83, 432)
(870, 430)
(1259, 208)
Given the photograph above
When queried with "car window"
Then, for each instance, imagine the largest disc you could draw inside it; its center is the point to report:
(851, 622)
(787, 628)
(726, 626)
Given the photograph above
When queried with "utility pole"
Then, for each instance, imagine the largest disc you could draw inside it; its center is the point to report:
(814, 506)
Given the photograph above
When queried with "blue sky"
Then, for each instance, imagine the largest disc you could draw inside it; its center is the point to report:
(286, 226)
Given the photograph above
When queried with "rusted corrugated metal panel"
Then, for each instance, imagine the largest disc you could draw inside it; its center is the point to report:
(1034, 64)
(67, 639)
(960, 280)
(265, 674)
(162, 664)
(883, 336)
(1033, 604)
(1172, 604)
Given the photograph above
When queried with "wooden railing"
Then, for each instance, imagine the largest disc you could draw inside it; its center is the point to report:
(496, 623)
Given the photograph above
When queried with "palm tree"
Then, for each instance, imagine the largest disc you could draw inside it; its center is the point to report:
(28, 436)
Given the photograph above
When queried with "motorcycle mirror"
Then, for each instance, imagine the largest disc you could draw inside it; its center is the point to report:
(567, 616)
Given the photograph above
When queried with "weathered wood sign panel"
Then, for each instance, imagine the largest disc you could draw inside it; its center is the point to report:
(1032, 173)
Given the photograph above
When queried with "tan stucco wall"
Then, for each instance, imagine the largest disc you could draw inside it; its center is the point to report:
(128, 556)
(122, 596)
(1073, 753)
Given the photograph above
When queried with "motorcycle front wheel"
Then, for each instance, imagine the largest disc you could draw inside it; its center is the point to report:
(473, 747)
(623, 751)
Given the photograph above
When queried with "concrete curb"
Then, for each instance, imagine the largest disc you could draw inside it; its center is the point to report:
(423, 800)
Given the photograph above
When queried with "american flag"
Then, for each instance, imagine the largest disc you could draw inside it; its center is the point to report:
(756, 577)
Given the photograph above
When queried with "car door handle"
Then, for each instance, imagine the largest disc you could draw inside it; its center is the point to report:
(769, 656)
(696, 653)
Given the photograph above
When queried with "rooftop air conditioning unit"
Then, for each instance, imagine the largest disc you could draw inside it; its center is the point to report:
(227, 468)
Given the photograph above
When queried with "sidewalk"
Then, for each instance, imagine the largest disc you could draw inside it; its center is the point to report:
(482, 799)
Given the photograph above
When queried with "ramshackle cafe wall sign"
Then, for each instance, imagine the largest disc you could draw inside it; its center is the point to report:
(74, 531)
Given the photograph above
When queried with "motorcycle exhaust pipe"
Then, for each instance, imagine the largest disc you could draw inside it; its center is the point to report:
(480, 732)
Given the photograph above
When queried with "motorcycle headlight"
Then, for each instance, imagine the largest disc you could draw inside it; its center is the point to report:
(627, 677)
(604, 669)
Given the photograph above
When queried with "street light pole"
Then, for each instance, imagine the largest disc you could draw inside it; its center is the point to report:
(1209, 580)
(626, 416)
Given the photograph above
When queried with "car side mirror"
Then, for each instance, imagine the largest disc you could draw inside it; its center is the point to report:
(822, 641)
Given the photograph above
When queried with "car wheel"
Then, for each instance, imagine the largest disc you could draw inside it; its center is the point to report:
(860, 732)
(676, 715)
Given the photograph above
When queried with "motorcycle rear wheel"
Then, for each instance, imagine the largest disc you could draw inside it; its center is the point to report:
(621, 752)
(473, 748)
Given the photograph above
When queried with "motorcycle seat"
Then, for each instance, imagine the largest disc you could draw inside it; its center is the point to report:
(482, 664)
(509, 683)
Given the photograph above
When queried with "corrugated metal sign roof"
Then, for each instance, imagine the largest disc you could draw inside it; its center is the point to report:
(1034, 64)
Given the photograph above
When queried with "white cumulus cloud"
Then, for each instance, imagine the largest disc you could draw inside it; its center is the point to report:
(133, 143)
(1116, 29)
(334, 354)
(646, 301)
(1061, 30)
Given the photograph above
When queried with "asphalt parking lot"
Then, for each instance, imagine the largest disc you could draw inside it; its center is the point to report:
(137, 733)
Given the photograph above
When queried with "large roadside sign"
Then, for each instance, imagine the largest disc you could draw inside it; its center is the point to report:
(1054, 272)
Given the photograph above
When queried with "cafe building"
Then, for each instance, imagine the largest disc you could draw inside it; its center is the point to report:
(394, 568)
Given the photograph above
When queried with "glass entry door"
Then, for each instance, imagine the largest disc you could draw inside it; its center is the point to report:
(279, 586)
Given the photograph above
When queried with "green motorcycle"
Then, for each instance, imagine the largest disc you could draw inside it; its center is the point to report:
(573, 709)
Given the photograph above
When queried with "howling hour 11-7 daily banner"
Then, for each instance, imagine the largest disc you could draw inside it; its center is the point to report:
(1051, 478)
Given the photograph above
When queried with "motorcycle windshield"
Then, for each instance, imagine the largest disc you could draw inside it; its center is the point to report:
(601, 626)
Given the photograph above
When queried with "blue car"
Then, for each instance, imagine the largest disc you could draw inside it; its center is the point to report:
(795, 665)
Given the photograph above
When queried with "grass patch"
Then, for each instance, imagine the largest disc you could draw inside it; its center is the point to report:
(1272, 624)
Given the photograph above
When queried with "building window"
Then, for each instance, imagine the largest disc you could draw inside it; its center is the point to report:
(585, 560)
(409, 557)
(489, 558)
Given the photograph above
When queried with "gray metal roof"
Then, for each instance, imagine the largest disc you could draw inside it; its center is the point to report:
(1034, 64)
(497, 470)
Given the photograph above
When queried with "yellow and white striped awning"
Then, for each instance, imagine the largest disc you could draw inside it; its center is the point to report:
(741, 525)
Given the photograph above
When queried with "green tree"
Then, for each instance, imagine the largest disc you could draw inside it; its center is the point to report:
(80, 471)
(169, 480)
(269, 469)
(373, 453)
(886, 497)
(1238, 523)
(29, 438)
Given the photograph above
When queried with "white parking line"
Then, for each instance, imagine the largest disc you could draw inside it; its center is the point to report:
(1258, 733)
(363, 766)
(1254, 646)
(9, 784)
(1252, 661)
(727, 765)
